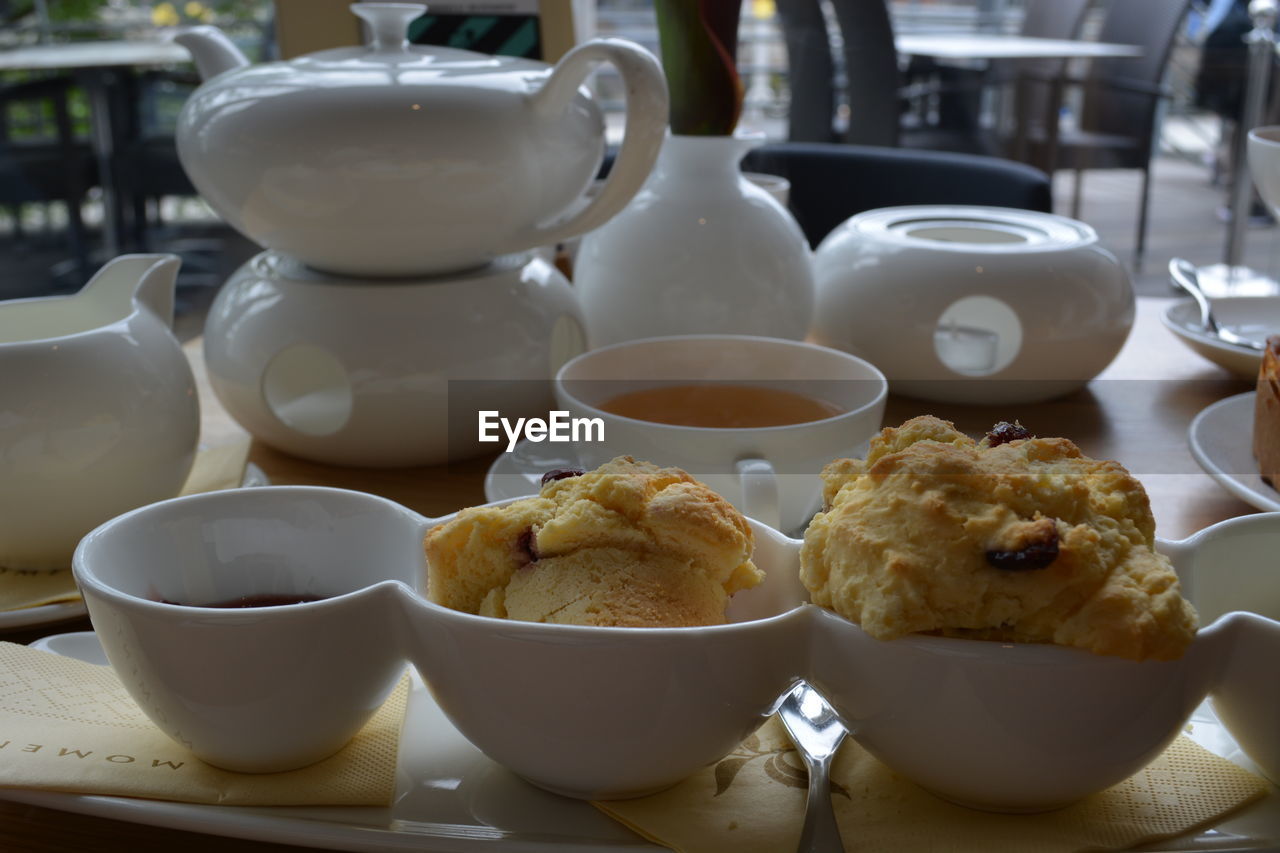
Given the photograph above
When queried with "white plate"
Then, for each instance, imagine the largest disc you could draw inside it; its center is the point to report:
(46, 614)
(1251, 316)
(518, 474)
(1221, 439)
(450, 797)
(51, 614)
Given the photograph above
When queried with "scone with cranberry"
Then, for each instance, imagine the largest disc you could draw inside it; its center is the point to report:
(1013, 538)
(628, 544)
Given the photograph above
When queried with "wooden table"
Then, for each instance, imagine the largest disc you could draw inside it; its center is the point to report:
(1137, 412)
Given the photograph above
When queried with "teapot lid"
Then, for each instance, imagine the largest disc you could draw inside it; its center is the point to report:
(388, 45)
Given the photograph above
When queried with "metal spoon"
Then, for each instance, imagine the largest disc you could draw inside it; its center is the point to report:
(817, 732)
(1184, 275)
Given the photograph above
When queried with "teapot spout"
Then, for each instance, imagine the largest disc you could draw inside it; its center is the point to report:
(212, 51)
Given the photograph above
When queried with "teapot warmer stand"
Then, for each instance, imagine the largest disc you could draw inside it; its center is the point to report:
(387, 372)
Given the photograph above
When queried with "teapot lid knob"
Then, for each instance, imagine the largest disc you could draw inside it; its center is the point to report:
(388, 23)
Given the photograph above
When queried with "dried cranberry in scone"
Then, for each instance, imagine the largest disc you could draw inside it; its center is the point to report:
(561, 474)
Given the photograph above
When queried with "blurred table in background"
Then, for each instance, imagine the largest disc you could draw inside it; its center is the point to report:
(981, 46)
(101, 67)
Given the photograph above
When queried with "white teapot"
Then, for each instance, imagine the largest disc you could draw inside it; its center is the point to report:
(402, 160)
(98, 409)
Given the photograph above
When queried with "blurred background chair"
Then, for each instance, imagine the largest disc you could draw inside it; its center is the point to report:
(147, 157)
(855, 91)
(43, 161)
(1118, 99)
(831, 181)
(868, 58)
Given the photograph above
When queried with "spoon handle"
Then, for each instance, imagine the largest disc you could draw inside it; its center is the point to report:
(820, 833)
(1186, 277)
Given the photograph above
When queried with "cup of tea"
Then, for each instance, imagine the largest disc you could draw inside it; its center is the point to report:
(255, 626)
(754, 418)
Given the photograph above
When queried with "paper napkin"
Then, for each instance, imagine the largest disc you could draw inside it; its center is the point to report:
(218, 467)
(752, 801)
(66, 725)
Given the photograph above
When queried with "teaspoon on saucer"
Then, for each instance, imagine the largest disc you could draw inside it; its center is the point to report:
(817, 733)
(1184, 276)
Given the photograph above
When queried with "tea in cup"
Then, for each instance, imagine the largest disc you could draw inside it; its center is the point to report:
(754, 418)
(252, 625)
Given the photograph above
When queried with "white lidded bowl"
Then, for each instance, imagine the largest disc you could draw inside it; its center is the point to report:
(972, 304)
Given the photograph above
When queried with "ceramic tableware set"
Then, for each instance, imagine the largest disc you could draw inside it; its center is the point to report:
(399, 191)
(619, 712)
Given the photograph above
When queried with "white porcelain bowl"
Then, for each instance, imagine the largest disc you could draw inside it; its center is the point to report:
(259, 689)
(1264, 164)
(1231, 567)
(607, 713)
(768, 473)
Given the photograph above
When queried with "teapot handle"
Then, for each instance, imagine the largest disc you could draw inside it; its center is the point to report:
(645, 127)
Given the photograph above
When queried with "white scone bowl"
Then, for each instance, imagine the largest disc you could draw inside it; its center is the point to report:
(1008, 726)
(609, 713)
(1029, 727)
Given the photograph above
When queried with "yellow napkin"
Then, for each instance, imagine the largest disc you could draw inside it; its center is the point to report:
(218, 467)
(66, 725)
(752, 801)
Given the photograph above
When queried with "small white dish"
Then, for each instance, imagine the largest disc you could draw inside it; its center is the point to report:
(1251, 316)
(518, 474)
(1220, 438)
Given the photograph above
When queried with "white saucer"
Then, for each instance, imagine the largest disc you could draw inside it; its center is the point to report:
(51, 614)
(449, 797)
(518, 474)
(1251, 316)
(1221, 439)
(45, 614)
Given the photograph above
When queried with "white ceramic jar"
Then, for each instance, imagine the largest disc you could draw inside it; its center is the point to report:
(390, 374)
(98, 409)
(972, 304)
(701, 249)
